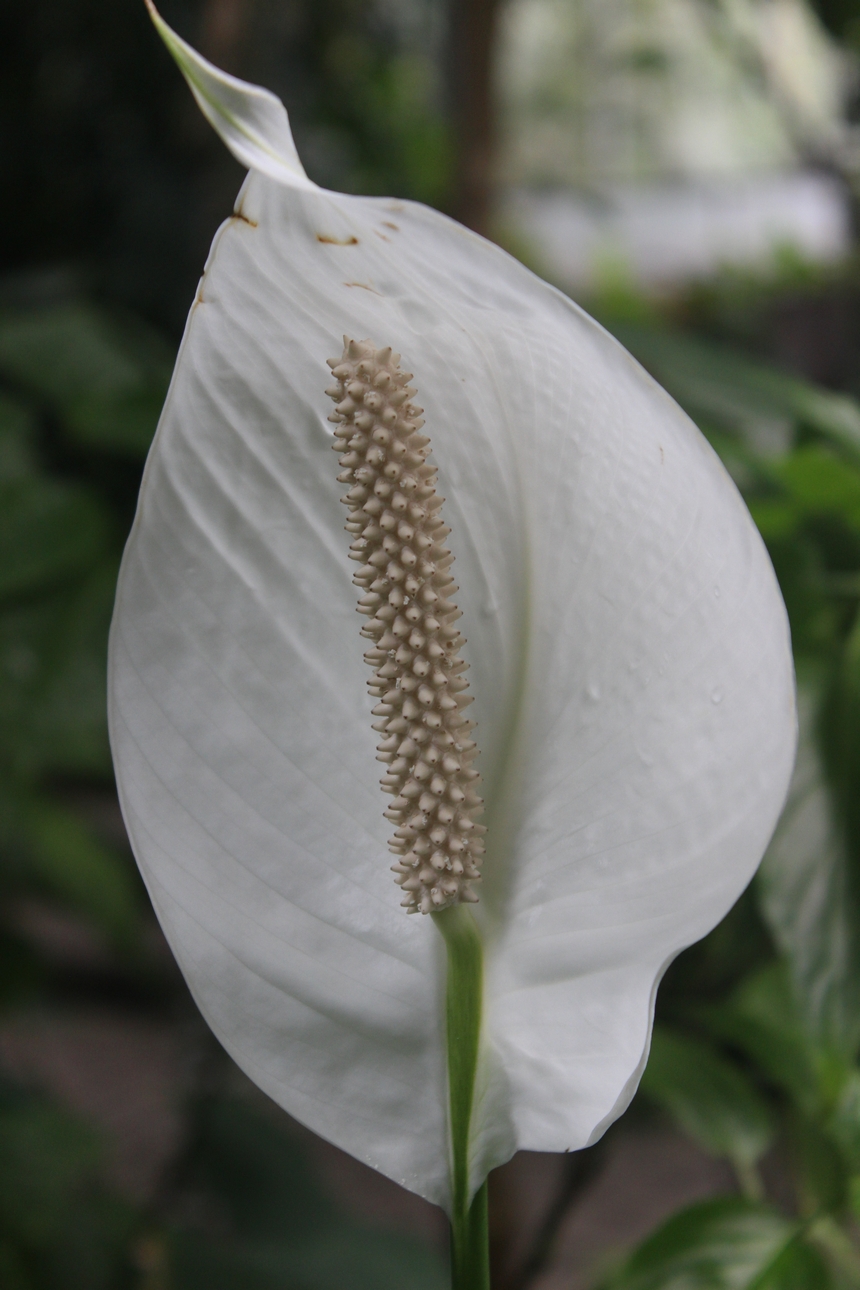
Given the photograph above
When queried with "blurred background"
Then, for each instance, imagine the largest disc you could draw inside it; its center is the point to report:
(689, 170)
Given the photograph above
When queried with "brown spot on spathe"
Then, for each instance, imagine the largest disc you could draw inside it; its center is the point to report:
(331, 240)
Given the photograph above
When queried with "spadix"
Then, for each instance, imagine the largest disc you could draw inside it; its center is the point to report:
(405, 572)
(629, 658)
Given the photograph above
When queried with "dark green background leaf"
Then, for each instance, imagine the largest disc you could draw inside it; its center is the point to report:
(711, 1099)
(103, 375)
(265, 1224)
(724, 1244)
(809, 897)
(48, 530)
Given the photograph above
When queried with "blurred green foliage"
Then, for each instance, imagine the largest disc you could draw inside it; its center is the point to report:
(282, 1228)
(58, 1224)
(758, 1033)
(755, 1053)
(726, 1244)
(81, 394)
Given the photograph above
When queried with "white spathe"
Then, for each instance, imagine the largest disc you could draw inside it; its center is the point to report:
(630, 662)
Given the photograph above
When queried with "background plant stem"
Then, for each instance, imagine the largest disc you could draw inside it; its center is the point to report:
(473, 29)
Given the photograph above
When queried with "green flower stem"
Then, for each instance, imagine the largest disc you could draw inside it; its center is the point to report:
(470, 1261)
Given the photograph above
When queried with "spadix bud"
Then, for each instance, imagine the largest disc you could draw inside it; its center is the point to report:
(432, 726)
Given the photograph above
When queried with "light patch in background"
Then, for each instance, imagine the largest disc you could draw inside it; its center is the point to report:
(666, 232)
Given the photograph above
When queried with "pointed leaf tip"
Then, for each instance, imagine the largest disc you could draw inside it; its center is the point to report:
(252, 121)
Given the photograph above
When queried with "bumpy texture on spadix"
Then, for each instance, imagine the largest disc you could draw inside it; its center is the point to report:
(417, 678)
(629, 656)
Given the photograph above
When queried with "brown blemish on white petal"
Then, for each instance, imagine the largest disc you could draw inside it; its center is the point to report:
(331, 240)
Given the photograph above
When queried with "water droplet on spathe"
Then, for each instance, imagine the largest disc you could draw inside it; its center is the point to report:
(593, 691)
(717, 592)
(717, 695)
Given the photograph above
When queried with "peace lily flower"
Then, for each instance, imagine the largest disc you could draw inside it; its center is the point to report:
(630, 667)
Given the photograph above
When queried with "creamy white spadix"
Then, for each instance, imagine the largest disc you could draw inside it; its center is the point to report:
(395, 517)
(629, 660)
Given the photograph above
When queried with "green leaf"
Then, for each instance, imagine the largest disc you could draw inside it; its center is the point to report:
(839, 739)
(52, 852)
(820, 1172)
(46, 1154)
(21, 972)
(91, 1251)
(711, 1099)
(53, 657)
(816, 620)
(254, 1168)
(714, 382)
(105, 377)
(17, 435)
(762, 1018)
(712, 967)
(13, 1274)
(819, 483)
(724, 1244)
(353, 1257)
(775, 517)
(57, 1220)
(48, 530)
(843, 1125)
(807, 886)
(274, 1227)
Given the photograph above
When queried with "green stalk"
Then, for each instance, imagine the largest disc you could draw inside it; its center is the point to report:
(470, 1261)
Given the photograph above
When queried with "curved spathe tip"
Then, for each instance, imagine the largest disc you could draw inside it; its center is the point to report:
(252, 121)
